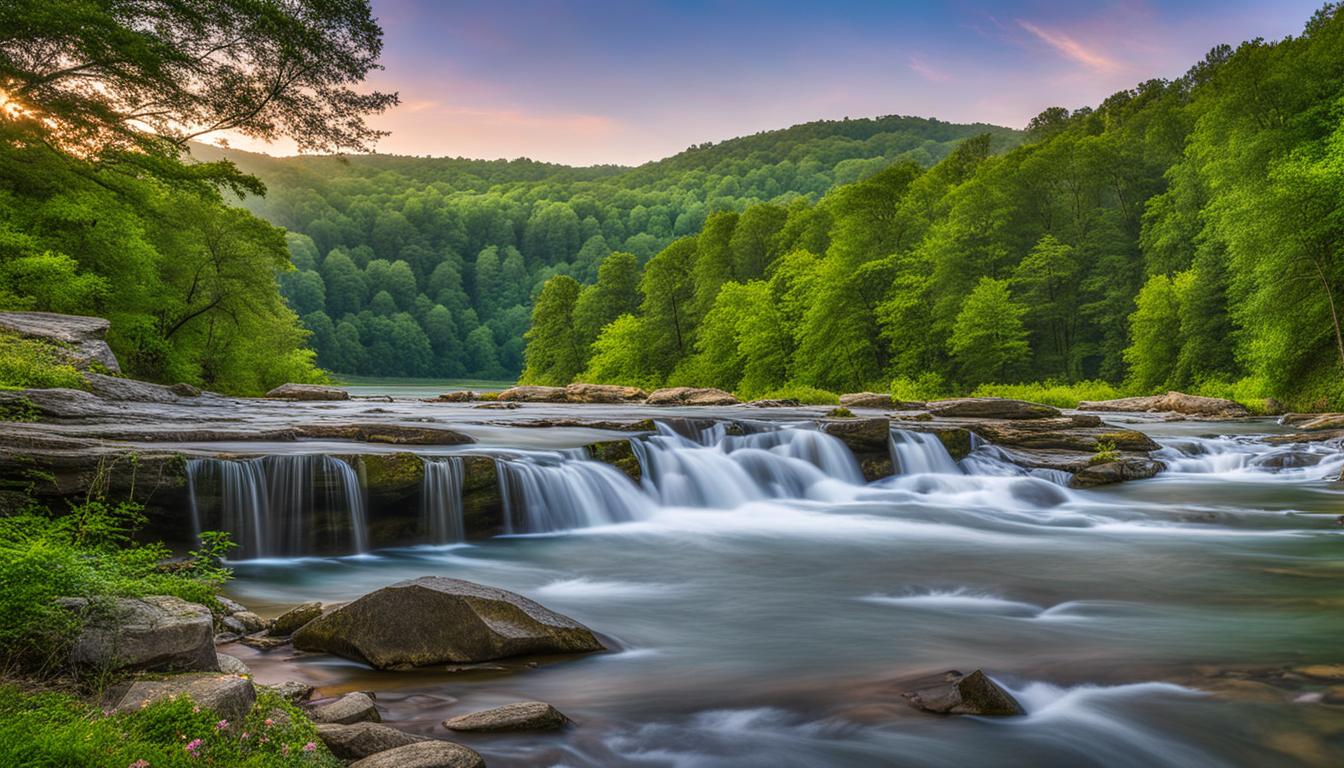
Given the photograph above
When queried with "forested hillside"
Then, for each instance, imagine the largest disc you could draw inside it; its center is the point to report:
(1180, 234)
(429, 266)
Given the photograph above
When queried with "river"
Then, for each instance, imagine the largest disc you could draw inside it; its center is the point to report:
(765, 607)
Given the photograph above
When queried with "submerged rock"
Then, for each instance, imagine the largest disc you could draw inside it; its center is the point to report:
(990, 408)
(350, 708)
(1175, 402)
(307, 392)
(973, 694)
(356, 740)
(424, 754)
(522, 716)
(437, 620)
(532, 394)
(604, 393)
(231, 696)
(158, 632)
(691, 396)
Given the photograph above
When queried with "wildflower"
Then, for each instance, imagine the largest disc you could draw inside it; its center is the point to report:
(142, 763)
(221, 725)
(269, 721)
(309, 747)
(193, 745)
(195, 710)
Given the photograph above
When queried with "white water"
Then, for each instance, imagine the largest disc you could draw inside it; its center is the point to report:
(548, 492)
(919, 453)
(441, 500)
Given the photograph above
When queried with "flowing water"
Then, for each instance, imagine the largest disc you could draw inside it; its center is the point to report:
(765, 607)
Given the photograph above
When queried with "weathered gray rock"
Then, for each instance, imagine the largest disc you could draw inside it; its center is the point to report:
(159, 632)
(691, 396)
(232, 665)
(291, 690)
(351, 742)
(1175, 402)
(290, 621)
(350, 708)
(129, 390)
(59, 404)
(460, 396)
(1105, 473)
(604, 393)
(424, 754)
(307, 392)
(861, 435)
(973, 694)
(250, 621)
(230, 606)
(786, 402)
(230, 696)
(990, 408)
(183, 389)
(1063, 433)
(1320, 421)
(79, 339)
(529, 394)
(522, 716)
(437, 620)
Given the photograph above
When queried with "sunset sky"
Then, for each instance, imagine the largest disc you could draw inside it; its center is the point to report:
(628, 82)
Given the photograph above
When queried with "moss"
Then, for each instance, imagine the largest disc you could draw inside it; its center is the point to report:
(19, 409)
(619, 454)
(840, 413)
(33, 364)
(391, 473)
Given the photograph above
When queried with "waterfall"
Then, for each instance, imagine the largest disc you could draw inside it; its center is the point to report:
(441, 500)
(920, 453)
(1249, 456)
(280, 505)
(546, 492)
(991, 460)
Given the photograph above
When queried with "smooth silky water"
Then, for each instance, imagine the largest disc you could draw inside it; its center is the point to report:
(766, 608)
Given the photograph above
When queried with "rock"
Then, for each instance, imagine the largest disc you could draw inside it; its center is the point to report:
(290, 621)
(350, 708)
(223, 638)
(1117, 471)
(129, 390)
(183, 389)
(392, 434)
(522, 716)
(230, 606)
(263, 641)
(840, 413)
(437, 620)
(973, 694)
(787, 402)
(307, 392)
(292, 691)
(424, 754)
(1323, 421)
(78, 339)
(990, 408)
(505, 405)
(351, 742)
(1175, 402)
(604, 393)
(877, 400)
(250, 621)
(620, 455)
(460, 396)
(159, 632)
(861, 435)
(529, 394)
(1062, 433)
(233, 625)
(229, 696)
(691, 396)
(232, 665)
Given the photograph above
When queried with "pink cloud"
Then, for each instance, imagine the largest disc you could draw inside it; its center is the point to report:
(926, 70)
(1071, 48)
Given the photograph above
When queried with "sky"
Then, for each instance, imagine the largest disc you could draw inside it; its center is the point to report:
(610, 81)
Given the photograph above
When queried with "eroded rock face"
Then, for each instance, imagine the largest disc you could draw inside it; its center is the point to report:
(437, 620)
(973, 694)
(307, 392)
(1174, 402)
(990, 408)
(522, 716)
(350, 708)
(80, 340)
(351, 742)
(230, 696)
(691, 396)
(604, 393)
(424, 754)
(530, 394)
(392, 434)
(158, 632)
(860, 435)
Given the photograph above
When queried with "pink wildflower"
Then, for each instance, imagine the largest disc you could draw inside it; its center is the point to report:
(269, 721)
(309, 747)
(222, 725)
(193, 745)
(142, 763)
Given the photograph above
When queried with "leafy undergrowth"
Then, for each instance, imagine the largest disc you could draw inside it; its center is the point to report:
(58, 730)
(31, 364)
(1051, 393)
(803, 394)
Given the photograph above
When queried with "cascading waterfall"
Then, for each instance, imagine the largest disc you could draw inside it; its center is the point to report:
(1249, 456)
(441, 500)
(280, 505)
(920, 453)
(991, 460)
(555, 491)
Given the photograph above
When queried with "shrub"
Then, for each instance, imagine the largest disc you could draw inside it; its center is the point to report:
(1052, 393)
(927, 386)
(1106, 453)
(32, 364)
(840, 413)
(803, 394)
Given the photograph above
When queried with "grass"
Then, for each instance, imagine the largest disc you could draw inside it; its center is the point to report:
(32, 364)
(1052, 393)
(803, 394)
(1106, 453)
(840, 413)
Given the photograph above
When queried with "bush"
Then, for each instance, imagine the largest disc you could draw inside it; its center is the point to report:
(56, 729)
(926, 387)
(1251, 392)
(803, 394)
(31, 364)
(1052, 393)
(1106, 453)
(840, 413)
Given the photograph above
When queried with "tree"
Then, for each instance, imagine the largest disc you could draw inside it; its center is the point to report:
(345, 284)
(555, 354)
(988, 341)
(615, 293)
(1047, 282)
(1155, 333)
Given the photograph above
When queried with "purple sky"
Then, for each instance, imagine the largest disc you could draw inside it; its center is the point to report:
(627, 82)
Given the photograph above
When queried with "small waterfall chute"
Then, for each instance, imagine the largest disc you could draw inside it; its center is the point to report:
(920, 453)
(548, 492)
(441, 500)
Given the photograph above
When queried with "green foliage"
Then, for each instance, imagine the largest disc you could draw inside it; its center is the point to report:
(989, 342)
(56, 729)
(555, 353)
(1053, 393)
(840, 413)
(927, 386)
(803, 394)
(33, 364)
(1105, 453)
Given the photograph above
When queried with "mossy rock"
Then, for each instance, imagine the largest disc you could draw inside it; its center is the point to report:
(390, 474)
(619, 454)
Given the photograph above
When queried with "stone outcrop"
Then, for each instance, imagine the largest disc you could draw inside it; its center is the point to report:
(357, 740)
(437, 620)
(230, 696)
(533, 394)
(990, 408)
(130, 390)
(1106, 473)
(604, 393)
(424, 754)
(1075, 433)
(1171, 402)
(620, 455)
(973, 694)
(522, 716)
(80, 341)
(391, 434)
(158, 632)
(691, 396)
(1313, 422)
(460, 396)
(307, 392)
(351, 708)
(292, 620)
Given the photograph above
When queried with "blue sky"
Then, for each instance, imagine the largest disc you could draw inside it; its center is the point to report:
(627, 82)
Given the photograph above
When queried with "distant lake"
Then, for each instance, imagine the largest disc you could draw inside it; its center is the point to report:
(370, 386)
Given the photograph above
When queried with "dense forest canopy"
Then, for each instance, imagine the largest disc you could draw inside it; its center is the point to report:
(430, 266)
(1180, 234)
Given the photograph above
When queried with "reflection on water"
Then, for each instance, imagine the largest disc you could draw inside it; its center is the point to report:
(767, 609)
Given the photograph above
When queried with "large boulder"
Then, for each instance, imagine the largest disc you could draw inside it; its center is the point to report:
(521, 716)
(860, 435)
(973, 694)
(230, 696)
(530, 394)
(437, 620)
(307, 392)
(1172, 402)
(604, 393)
(158, 632)
(691, 396)
(351, 742)
(990, 408)
(79, 340)
(290, 621)
(424, 754)
(355, 707)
